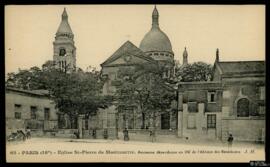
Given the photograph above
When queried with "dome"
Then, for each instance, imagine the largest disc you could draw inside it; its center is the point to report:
(156, 40)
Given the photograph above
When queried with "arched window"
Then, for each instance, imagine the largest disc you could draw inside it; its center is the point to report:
(62, 52)
(243, 107)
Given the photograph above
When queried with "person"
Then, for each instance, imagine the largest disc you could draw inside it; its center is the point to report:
(152, 135)
(105, 134)
(28, 132)
(94, 133)
(76, 135)
(21, 135)
(230, 140)
(125, 132)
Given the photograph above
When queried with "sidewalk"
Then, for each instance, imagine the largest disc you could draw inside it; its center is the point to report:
(176, 141)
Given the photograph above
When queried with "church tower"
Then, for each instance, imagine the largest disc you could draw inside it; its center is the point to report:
(217, 55)
(185, 57)
(64, 49)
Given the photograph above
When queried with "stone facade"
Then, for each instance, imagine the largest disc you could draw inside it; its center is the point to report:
(199, 112)
(243, 100)
(29, 109)
(233, 103)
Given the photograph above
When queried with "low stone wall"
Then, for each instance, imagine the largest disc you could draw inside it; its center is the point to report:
(88, 134)
(244, 129)
(144, 135)
(37, 133)
(61, 133)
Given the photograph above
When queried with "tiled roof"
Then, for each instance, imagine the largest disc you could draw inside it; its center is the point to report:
(33, 92)
(239, 67)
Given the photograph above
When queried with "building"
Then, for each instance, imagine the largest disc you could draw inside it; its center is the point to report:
(243, 99)
(199, 113)
(31, 109)
(233, 103)
(64, 55)
(155, 47)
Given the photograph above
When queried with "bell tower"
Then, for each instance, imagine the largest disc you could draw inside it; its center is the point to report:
(185, 57)
(64, 55)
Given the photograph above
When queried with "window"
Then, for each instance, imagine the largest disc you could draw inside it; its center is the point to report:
(211, 96)
(212, 99)
(18, 115)
(192, 107)
(243, 108)
(46, 113)
(33, 112)
(211, 121)
(62, 52)
(17, 106)
(17, 111)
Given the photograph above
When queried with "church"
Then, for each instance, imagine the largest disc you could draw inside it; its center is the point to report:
(154, 47)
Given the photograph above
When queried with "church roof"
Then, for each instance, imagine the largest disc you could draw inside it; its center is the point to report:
(126, 48)
(64, 25)
(156, 39)
(240, 67)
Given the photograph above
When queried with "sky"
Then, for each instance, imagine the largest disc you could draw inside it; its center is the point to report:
(99, 30)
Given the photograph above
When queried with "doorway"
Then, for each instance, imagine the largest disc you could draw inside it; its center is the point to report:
(165, 121)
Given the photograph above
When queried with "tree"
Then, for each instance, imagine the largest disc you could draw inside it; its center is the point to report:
(25, 79)
(74, 93)
(144, 88)
(77, 93)
(198, 71)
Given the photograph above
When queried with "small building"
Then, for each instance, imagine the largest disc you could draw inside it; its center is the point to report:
(233, 103)
(243, 99)
(33, 109)
(200, 110)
